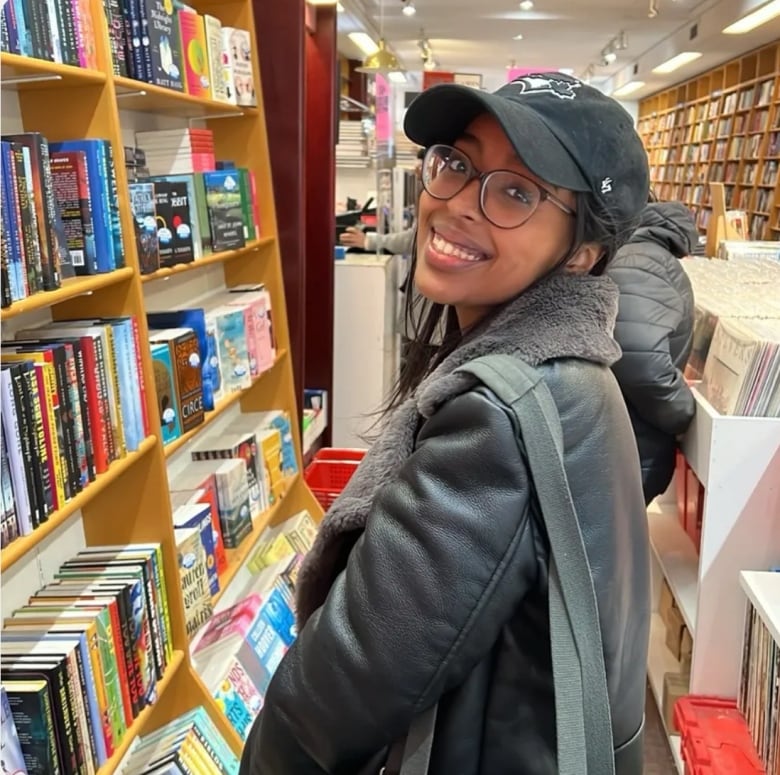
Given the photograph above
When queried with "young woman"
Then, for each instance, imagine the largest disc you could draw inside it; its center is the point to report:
(428, 580)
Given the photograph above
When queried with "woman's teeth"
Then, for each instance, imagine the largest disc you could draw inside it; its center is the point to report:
(442, 245)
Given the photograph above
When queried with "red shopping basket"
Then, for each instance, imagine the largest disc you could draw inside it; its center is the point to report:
(330, 470)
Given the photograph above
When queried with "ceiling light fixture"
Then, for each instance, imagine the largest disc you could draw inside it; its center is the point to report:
(381, 61)
(397, 76)
(409, 9)
(364, 42)
(527, 5)
(676, 62)
(755, 19)
(652, 10)
(628, 88)
(519, 36)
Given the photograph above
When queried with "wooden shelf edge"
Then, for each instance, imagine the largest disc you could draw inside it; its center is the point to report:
(30, 66)
(140, 89)
(237, 557)
(71, 288)
(177, 660)
(222, 406)
(17, 549)
(213, 258)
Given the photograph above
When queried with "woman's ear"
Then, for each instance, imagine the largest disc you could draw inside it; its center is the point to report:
(586, 257)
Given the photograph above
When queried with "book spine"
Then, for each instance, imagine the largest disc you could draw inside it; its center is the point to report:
(33, 260)
(113, 203)
(116, 32)
(77, 378)
(13, 427)
(31, 399)
(51, 473)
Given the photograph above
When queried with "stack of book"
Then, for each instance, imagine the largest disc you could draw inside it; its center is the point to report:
(189, 743)
(55, 32)
(82, 659)
(73, 401)
(177, 151)
(351, 149)
(237, 653)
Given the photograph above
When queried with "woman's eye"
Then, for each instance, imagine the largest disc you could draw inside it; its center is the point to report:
(520, 195)
(457, 165)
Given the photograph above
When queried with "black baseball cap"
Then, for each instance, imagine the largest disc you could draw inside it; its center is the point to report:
(567, 133)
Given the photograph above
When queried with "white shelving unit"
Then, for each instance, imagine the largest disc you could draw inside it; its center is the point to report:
(737, 460)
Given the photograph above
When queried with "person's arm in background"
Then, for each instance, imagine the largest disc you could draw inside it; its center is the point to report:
(398, 243)
(649, 312)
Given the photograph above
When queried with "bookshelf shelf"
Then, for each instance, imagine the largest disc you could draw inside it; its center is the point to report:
(71, 289)
(221, 407)
(763, 591)
(17, 549)
(148, 98)
(677, 557)
(20, 72)
(237, 557)
(214, 258)
(177, 660)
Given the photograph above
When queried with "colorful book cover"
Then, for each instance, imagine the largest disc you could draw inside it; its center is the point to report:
(193, 576)
(142, 204)
(12, 757)
(237, 45)
(238, 699)
(174, 229)
(198, 515)
(164, 43)
(235, 516)
(213, 33)
(165, 390)
(194, 53)
(233, 353)
(185, 357)
(226, 218)
(196, 319)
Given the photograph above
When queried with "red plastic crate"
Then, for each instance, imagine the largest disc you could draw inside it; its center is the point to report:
(715, 738)
(330, 470)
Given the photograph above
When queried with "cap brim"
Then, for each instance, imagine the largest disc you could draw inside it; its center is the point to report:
(442, 113)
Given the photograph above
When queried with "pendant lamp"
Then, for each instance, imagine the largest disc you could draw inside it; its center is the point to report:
(381, 61)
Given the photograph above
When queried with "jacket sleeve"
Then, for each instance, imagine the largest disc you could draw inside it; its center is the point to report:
(399, 243)
(649, 311)
(447, 555)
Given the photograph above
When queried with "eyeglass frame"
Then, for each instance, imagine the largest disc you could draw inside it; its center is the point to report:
(482, 177)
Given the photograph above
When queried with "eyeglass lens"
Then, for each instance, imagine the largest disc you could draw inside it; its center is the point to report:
(508, 199)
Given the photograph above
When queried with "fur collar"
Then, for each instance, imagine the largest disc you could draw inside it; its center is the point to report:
(564, 316)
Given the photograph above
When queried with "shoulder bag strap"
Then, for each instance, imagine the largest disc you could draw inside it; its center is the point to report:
(584, 724)
(584, 733)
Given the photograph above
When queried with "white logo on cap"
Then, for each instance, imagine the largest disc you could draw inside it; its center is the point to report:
(606, 185)
(562, 89)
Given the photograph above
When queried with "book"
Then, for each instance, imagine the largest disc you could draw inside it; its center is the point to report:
(185, 360)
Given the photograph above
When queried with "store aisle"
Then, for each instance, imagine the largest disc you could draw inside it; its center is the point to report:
(658, 757)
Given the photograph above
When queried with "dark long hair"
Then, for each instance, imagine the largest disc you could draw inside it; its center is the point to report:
(426, 321)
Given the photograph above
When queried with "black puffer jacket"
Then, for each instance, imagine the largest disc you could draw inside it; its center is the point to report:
(654, 329)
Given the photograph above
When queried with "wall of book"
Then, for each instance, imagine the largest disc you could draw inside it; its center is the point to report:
(721, 126)
(150, 440)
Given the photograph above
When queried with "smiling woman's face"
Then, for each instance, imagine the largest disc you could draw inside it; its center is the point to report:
(465, 261)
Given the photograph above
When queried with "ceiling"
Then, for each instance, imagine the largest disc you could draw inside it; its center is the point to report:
(476, 36)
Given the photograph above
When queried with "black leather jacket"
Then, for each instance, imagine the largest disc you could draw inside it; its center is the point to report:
(466, 620)
(655, 331)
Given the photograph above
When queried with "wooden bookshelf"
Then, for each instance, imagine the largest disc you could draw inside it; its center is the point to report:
(721, 126)
(130, 503)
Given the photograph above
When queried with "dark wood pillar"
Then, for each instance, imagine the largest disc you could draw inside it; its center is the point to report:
(281, 42)
(322, 94)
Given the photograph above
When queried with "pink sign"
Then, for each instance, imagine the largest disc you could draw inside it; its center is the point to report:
(518, 72)
(382, 108)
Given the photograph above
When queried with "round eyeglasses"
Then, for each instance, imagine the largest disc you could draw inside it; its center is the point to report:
(507, 199)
